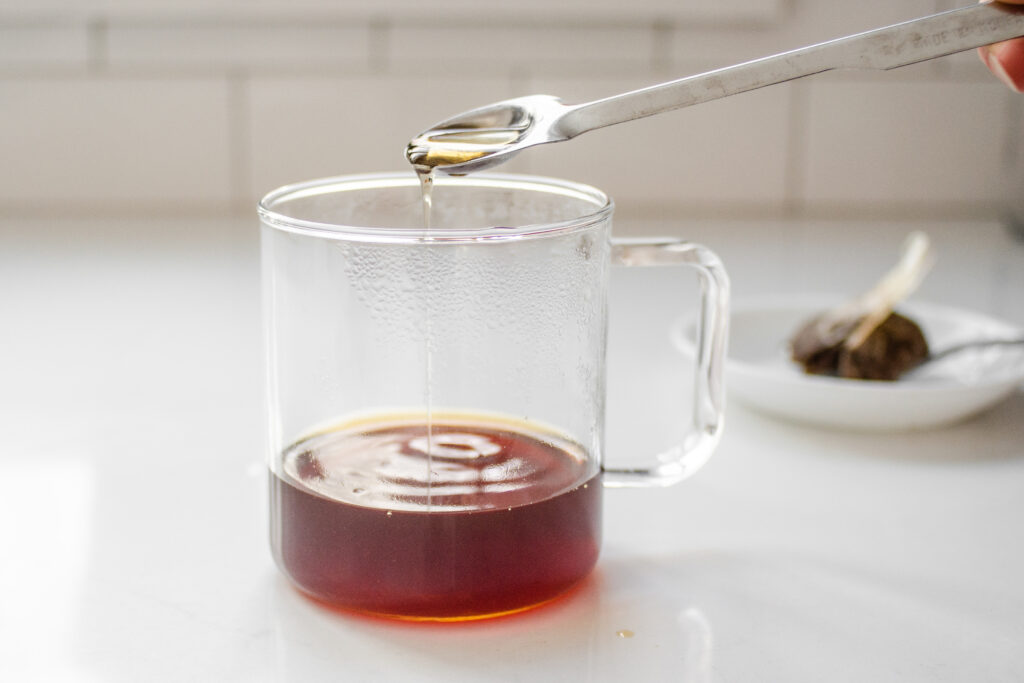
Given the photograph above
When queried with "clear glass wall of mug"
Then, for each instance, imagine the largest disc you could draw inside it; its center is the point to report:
(436, 399)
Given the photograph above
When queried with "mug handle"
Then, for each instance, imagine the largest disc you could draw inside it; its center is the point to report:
(682, 460)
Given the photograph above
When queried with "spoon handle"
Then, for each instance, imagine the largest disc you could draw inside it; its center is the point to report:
(976, 344)
(884, 48)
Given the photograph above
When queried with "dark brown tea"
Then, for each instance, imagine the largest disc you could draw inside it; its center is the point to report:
(478, 517)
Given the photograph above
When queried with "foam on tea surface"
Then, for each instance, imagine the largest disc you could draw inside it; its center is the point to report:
(437, 464)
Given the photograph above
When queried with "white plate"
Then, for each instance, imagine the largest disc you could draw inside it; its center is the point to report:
(760, 374)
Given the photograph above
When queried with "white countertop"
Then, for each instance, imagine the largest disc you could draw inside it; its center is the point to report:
(133, 514)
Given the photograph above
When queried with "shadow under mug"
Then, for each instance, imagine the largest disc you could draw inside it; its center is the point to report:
(436, 398)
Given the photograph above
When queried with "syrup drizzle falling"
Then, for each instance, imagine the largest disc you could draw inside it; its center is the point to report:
(427, 194)
(432, 150)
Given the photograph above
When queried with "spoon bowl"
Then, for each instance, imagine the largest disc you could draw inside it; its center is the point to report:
(482, 138)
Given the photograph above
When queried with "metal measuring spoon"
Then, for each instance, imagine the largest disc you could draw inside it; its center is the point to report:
(488, 136)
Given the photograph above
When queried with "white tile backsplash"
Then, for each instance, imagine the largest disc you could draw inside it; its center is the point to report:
(892, 141)
(963, 66)
(202, 105)
(246, 44)
(500, 47)
(694, 47)
(43, 45)
(731, 151)
(815, 21)
(119, 143)
(303, 128)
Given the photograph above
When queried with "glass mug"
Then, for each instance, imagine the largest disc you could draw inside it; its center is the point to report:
(436, 398)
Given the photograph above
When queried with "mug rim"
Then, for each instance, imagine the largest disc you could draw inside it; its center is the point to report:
(280, 220)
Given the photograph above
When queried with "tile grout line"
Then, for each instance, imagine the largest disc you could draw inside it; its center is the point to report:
(662, 38)
(379, 44)
(97, 44)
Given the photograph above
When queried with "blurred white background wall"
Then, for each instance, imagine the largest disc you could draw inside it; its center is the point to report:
(114, 108)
